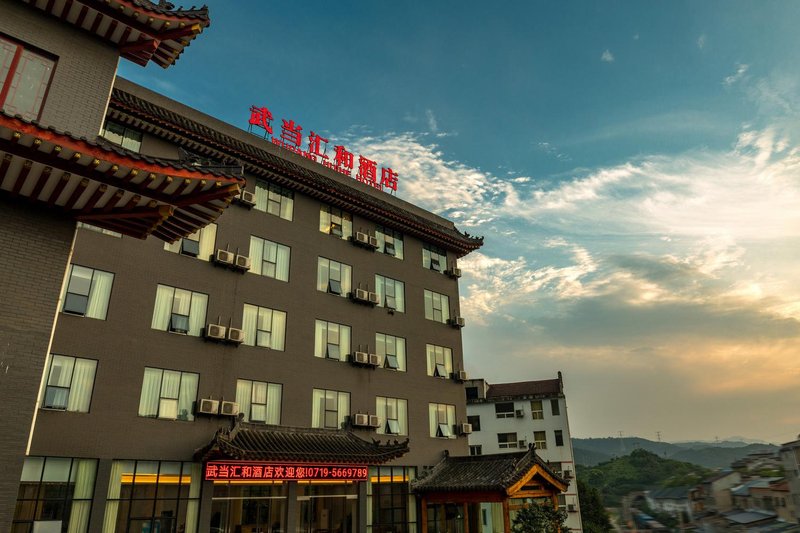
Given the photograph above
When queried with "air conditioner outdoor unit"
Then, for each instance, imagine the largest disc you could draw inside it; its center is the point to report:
(362, 238)
(522, 443)
(465, 428)
(235, 335)
(456, 322)
(224, 257)
(454, 272)
(373, 241)
(567, 474)
(242, 262)
(215, 331)
(362, 358)
(229, 409)
(208, 406)
(374, 359)
(360, 419)
(520, 413)
(361, 295)
(374, 298)
(247, 198)
(461, 375)
(374, 421)
(571, 508)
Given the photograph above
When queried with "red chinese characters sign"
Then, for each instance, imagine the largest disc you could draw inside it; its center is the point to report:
(254, 471)
(315, 148)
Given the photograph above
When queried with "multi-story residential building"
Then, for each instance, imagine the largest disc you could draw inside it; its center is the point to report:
(509, 417)
(790, 456)
(234, 337)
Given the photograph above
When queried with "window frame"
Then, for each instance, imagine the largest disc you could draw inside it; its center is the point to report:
(342, 412)
(335, 222)
(559, 435)
(382, 287)
(341, 352)
(254, 338)
(475, 449)
(197, 332)
(475, 422)
(189, 416)
(555, 407)
(388, 237)
(281, 251)
(330, 285)
(435, 298)
(265, 197)
(93, 284)
(504, 414)
(248, 415)
(398, 354)
(434, 258)
(130, 138)
(541, 443)
(70, 388)
(537, 411)
(442, 426)
(504, 441)
(438, 369)
(400, 406)
(22, 47)
(204, 241)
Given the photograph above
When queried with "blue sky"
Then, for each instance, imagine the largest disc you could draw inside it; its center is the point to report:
(633, 166)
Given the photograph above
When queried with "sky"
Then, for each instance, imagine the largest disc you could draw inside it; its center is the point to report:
(633, 166)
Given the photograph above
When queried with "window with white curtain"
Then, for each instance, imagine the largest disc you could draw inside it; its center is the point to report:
(179, 310)
(393, 415)
(336, 222)
(392, 351)
(390, 242)
(330, 409)
(269, 258)
(274, 199)
(442, 418)
(437, 306)
(69, 384)
(264, 327)
(55, 489)
(87, 292)
(168, 394)
(434, 258)
(331, 340)
(200, 244)
(260, 402)
(391, 293)
(440, 361)
(333, 277)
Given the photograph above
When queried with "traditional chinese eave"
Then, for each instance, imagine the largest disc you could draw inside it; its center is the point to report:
(252, 442)
(108, 186)
(141, 30)
(199, 138)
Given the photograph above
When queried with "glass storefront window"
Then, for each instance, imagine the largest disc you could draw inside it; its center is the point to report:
(327, 507)
(391, 507)
(248, 508)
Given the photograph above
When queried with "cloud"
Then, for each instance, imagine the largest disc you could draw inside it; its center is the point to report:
(741, 70)
(431, 118)
(701, 41)
(607, 56)
(553, 151)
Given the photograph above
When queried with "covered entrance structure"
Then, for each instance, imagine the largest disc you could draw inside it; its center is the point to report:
(481, 494)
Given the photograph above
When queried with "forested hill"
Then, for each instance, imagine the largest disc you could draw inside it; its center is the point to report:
(711, 455)
(640, 470)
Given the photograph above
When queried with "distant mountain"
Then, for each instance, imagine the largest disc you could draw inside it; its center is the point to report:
(721, 454)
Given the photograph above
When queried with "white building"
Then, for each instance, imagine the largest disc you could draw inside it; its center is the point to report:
(508, 417)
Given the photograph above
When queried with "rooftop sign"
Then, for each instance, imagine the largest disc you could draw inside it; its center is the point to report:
(256, 471)
(316, 147)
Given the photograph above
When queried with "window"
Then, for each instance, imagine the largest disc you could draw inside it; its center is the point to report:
(504, 410)
(259, 401)
(55, 489)
(440, 361)
(537, 412)
(393, 416)
(24, 79)
(392, 504)
(336, 222)
(333, 277)
(269, 259)
(390, 242)
(274, 199)
(475, 422)
(392, 351)
(153, 496)
(442, 418)
(104, 231)
(559, 437)
(179, 311)
(472, 393)
(437, 306)
(168, 394)
(330, 409)
(331, 340)
(540, 440)
(391, 293)
(122, 135)
(434, 258)
(87, 292)
(476, 449)
(264, 327)
(554, 407)
(70, 381)
(507, 440)
(200, 244)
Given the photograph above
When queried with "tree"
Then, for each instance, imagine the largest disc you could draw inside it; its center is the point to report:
(593, 513)
(540, 518)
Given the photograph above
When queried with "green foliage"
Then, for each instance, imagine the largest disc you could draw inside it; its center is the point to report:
(593, 513)
(540, 518)
(641, 470)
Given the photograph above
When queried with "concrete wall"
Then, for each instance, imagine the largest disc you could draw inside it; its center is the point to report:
(35, 248)
(84, 71)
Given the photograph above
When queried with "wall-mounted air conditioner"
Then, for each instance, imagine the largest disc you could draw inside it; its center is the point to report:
(242, 262)
(522, 443)
(461, 375)
(374, 359)
(235, 335)
(229, 409)
(453, 272)
(215, 332)
(361, 358)
(374, 421)
(247, 198)
(208, 406)
(456, 322)
(519, 413)
(464, 428)
(224, 257)
(361, 420)
(373, 298)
